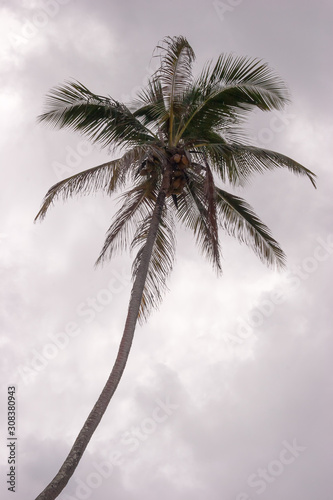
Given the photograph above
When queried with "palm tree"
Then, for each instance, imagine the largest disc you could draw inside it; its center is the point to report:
(182, 136)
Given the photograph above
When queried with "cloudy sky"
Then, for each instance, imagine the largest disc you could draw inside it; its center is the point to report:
(227, 392)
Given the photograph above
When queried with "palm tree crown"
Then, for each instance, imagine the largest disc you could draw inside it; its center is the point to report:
(192, 125)
(182, 139)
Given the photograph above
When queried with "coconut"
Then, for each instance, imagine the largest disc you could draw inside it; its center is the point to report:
(176, 183)
(184, 160)
(178, 173)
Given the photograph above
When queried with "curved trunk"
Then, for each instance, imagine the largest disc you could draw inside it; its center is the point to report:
(58, 483)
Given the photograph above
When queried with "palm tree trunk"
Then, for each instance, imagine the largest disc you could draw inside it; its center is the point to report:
(58, 483)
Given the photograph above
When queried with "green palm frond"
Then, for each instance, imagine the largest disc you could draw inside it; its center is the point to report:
(150, 108)
(161, 261)
(243, 80)
(205, 114)
(174, 74)
(238, 219)
(228, 91)
(236, 163)
(107, 177)
(101, 119)
(193, 211)
(137, 203)
(210, 198)
(218, 154)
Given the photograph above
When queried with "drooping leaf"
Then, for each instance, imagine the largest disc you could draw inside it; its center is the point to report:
(137, 204)
(239, 220)
(107, 177)
(161, 261)
(193, 211)
(236, 163)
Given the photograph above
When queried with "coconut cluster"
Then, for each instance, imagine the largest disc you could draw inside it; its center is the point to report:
(180, 162)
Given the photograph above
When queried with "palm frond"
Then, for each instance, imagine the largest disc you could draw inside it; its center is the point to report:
(149, 107)
(102, 119)
(202, 114)
(137, 204)
(239, 220)
(259, 160)
(210, 195)
(175, 74)
(244, 161)
(107, 177)
(228, 91)
(216, 150)
(244, 79)
(160, 264)
(193, 211)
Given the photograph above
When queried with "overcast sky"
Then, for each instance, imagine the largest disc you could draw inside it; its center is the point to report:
(227, 393)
